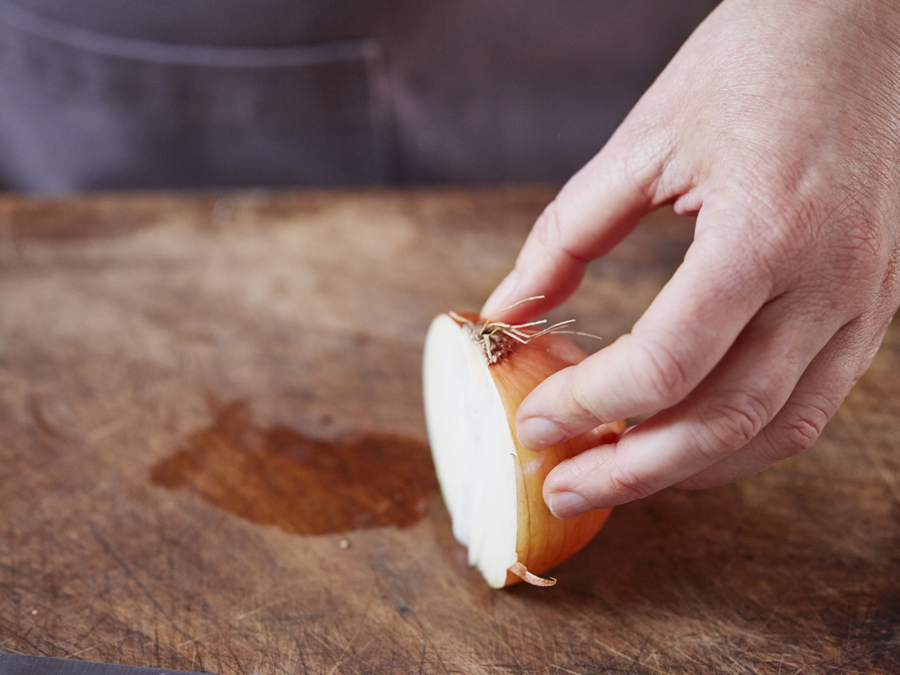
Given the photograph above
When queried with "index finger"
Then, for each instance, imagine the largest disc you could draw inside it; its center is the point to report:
(593, 212)
(684, 333)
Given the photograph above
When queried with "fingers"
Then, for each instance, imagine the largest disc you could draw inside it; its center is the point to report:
(592, 213)
(727, 411)
(685, 332)
(816, 398)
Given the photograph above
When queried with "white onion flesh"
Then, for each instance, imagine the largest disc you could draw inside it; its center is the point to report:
(491, 484)
(472, 447)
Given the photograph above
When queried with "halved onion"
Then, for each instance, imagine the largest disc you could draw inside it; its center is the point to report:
(475, 376)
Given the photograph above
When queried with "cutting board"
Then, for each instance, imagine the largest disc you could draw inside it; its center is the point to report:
(213, 457)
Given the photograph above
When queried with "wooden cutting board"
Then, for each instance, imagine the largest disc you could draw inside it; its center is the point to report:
(213, 457)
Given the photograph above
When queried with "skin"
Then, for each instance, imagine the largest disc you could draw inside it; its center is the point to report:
(778, 125)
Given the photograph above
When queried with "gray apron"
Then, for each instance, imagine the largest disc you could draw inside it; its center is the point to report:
(100, 94)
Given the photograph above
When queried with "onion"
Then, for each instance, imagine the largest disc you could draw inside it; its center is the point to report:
(476, 373)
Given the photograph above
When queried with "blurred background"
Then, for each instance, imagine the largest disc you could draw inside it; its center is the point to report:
(105, 94)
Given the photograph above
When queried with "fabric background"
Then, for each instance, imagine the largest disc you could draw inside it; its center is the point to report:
(98, 94)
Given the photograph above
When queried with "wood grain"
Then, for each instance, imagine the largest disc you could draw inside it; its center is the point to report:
(172, 367)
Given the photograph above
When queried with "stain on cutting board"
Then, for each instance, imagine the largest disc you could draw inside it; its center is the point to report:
(277, 476)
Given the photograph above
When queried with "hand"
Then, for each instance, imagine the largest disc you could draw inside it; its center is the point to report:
(778, 124)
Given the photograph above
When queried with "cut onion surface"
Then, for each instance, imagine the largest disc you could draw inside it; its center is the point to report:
(476, 374)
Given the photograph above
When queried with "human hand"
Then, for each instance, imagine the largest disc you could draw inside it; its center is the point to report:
(778, 124)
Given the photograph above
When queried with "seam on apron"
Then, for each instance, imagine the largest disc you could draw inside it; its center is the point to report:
(184, 54)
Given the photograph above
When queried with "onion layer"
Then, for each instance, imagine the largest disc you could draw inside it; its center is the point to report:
(473, 384)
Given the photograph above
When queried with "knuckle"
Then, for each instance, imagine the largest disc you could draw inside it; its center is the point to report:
(853, 251)
(800, 434)
(736, 420)
(627, 485)
(845, 243)
(802, 426)
(774, 233)
(548, 227)
(662, 371)
(582, 398)
(550, 232)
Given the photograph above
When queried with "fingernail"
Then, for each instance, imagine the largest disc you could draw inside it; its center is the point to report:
(568, 505)
(538, 433)
(495, 302)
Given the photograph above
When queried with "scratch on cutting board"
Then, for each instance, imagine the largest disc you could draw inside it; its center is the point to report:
(616, 652)
(131, 575)
(248, 613)
(560, 669)
(340, 659)
(116, 642)
(269, 603)
(423, 634)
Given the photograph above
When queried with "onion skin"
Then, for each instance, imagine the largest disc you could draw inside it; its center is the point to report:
(542, 540)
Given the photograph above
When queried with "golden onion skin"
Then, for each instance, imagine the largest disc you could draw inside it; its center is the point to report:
(542, 540)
